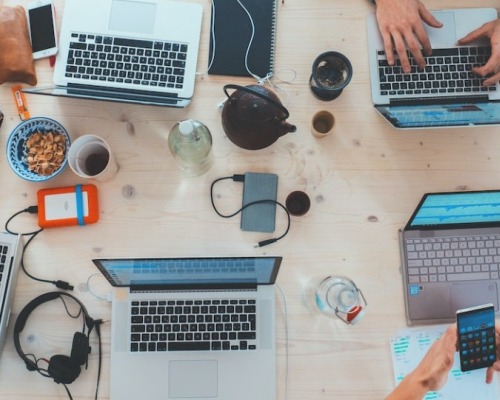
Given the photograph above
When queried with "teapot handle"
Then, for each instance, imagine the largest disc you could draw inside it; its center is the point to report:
(262, 96)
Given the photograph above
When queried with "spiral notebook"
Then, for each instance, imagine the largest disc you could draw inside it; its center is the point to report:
(233, 32)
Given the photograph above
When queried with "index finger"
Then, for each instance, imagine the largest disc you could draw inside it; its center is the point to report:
(401, 49)
(478, 33)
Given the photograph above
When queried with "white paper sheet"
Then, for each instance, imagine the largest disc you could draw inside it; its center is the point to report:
(408, 348)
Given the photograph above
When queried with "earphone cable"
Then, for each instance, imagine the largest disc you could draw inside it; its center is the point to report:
(67, 391)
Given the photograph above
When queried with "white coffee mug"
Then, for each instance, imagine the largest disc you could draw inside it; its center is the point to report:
(90, 157)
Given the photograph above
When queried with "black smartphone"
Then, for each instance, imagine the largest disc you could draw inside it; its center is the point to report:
(476, 337)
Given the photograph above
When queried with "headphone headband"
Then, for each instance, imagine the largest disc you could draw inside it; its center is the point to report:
(28, 309)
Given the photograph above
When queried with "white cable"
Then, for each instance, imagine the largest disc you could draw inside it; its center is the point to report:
(287, 341)
(213, 42)
(260, 80)
(107, 297)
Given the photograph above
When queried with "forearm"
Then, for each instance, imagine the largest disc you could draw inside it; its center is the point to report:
(410, 388)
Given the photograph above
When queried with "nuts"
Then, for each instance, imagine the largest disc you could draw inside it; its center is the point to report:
(45, 152)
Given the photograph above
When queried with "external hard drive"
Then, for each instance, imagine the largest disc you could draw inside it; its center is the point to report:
(259, 217)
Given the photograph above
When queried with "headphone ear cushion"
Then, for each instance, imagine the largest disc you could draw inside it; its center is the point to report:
(63, 369)
(80, 348)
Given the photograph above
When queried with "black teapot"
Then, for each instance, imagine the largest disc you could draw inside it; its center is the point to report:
(253, 117)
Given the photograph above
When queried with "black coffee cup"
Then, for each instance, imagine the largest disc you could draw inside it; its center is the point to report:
(298, 203)
(331, 72)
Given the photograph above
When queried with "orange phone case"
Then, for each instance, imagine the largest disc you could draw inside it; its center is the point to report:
(80, 219)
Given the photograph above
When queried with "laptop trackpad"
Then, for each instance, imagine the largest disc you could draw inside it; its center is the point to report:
(446, 35)
(132, 16)
(192, 379)
(471, 294)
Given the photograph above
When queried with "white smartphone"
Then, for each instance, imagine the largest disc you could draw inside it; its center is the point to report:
(42, 27)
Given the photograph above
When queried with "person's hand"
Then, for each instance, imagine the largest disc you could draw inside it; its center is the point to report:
(401, 21)
(492, 67)
(432, 372)
(496, 366)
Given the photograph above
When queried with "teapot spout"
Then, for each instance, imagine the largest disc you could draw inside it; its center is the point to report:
(286, 127)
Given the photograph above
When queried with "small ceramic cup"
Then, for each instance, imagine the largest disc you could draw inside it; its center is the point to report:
(322, 124)
(298, 203)
(90, 157)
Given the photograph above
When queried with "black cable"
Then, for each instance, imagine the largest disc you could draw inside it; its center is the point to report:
(33, 210)
(241, 178)
(67, 391)
(98, 323)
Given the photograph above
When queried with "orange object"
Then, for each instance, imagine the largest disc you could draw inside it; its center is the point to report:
(73, 205)
(22, 108)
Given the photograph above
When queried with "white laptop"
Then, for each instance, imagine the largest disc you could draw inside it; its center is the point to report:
(193, 328)
(133, 51)
(446, 93)
(11, 247)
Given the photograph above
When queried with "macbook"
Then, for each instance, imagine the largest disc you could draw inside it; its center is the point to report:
(446, 93)
(193, 328)
(11, 247)
(133, 51)
(451, 255)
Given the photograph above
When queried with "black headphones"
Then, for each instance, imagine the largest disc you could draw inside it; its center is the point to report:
(61, 368)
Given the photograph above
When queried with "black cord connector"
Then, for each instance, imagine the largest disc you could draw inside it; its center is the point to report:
(63, 285)
(32, 210)
(266, 242)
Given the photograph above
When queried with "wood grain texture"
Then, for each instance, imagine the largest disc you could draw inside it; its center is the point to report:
(364, 182)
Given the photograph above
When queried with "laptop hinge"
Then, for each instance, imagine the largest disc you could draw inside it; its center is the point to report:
(125, 92)
(192, 287)
(439, 100)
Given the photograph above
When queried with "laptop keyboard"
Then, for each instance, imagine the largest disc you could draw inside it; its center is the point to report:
(129, 61)
(3, 258)
(463, 258)
(196, 325)
(447, 71)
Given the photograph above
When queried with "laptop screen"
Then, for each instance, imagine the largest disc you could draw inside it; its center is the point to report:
(442, 115)
(190, 271)
(437, 210)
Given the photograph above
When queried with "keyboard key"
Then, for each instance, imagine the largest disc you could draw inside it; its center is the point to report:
(468, 276)
(189, 346)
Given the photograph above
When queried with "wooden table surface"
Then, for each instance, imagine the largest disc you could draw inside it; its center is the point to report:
(364, 182)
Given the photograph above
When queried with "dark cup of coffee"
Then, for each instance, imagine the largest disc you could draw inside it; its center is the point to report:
(91, 157)
(298, 203)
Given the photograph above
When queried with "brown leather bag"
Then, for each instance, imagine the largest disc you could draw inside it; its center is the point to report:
(16, 57)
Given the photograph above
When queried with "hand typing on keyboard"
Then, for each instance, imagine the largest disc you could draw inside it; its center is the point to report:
(492, 67)
(401, 21)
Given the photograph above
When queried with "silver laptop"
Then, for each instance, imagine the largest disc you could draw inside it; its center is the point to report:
(446, 93)
(133, 51)
(451, 255)
(11, 247)
(193, 328)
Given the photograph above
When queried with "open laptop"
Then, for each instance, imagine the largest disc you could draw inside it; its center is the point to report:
(193, 327)
(11, 247)
(132, 51)
(450, 252)
(446, 93)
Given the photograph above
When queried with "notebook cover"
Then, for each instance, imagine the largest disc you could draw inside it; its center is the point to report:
(233, 31)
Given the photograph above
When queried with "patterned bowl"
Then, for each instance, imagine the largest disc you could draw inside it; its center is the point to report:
(17, 151)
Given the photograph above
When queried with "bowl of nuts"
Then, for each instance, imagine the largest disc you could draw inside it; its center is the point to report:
(37, 149)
